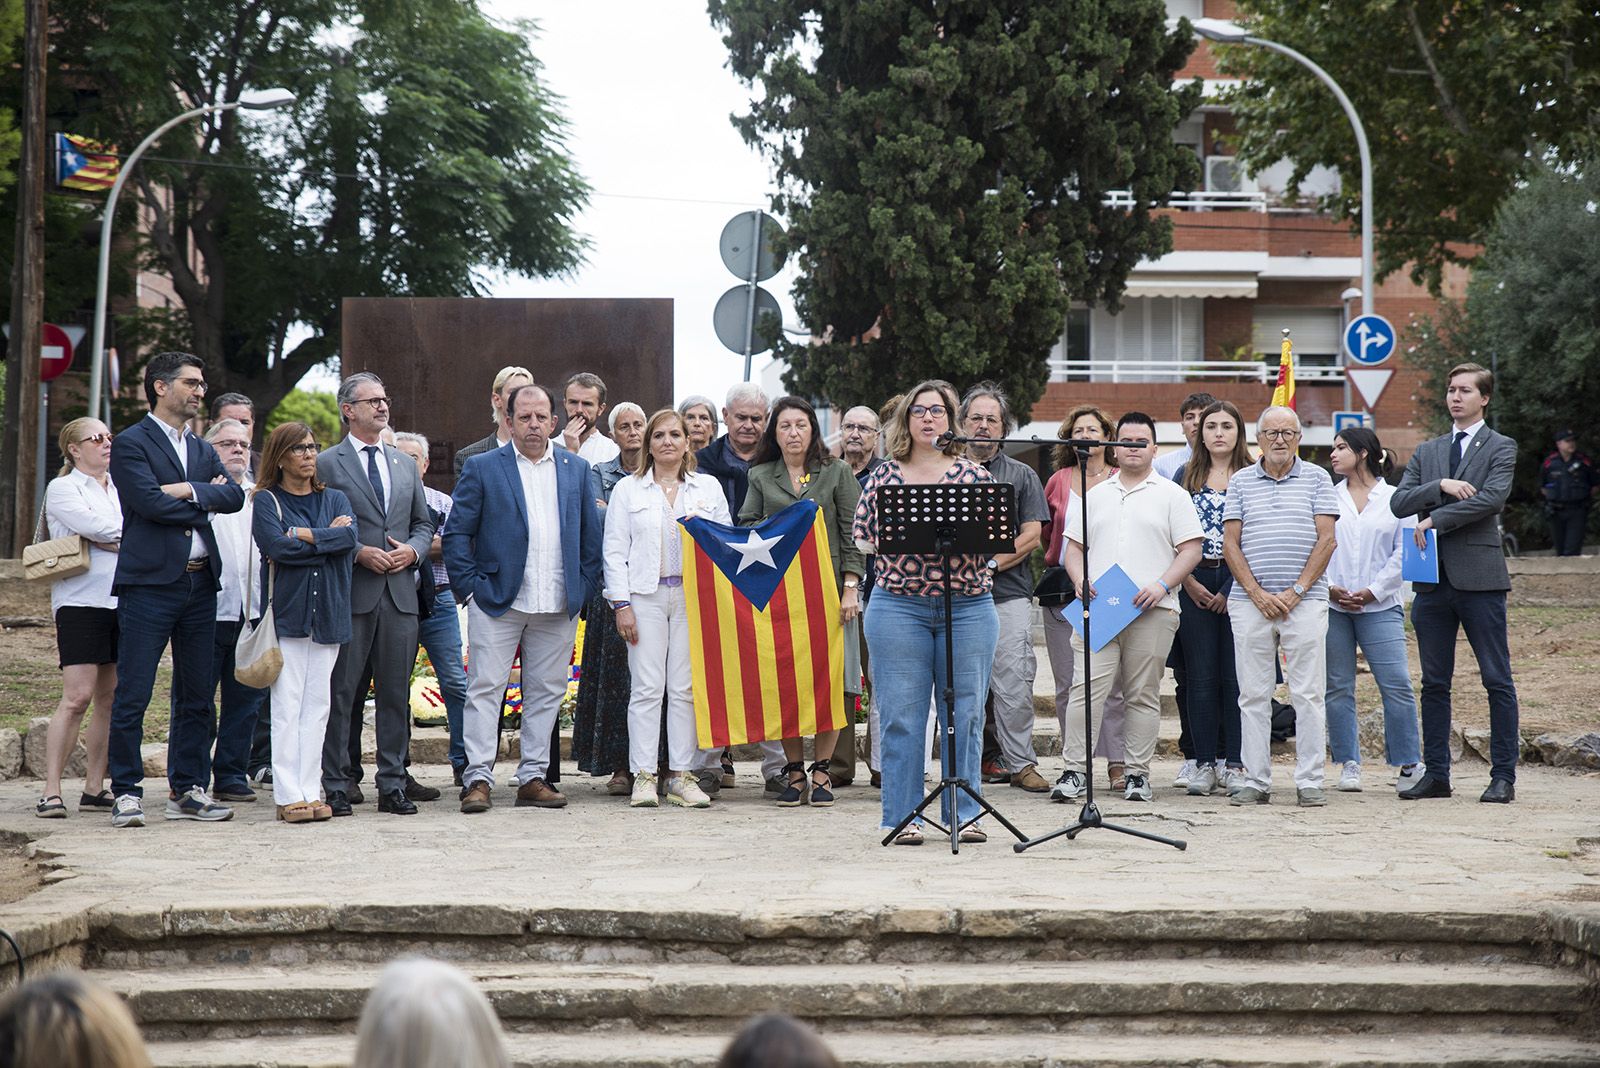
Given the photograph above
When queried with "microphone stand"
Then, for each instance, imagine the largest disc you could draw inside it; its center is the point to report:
(1089, 817)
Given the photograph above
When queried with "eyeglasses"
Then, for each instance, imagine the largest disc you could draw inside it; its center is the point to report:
(1280, 435)
(309, 448)
(230, 443)
(935, 410)
(858, 428)
(376, 402)
(196, 384)
(95, 439)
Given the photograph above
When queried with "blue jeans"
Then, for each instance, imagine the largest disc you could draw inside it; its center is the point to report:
(148, 617)
(1382, 637)
(440, 635)
(236, 716)
(905, 639)
(1438, 615)
(1212, 686)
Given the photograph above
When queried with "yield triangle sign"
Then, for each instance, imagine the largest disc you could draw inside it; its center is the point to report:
(1369, 383)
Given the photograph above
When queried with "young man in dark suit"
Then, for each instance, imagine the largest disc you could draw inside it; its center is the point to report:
(168, 573)
(1457, 485)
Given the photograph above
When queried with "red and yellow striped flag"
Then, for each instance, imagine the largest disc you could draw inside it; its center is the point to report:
(85, 164)
(765, 639)
(1283, 393)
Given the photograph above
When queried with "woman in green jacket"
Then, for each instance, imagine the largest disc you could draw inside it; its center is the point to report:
(791, 465)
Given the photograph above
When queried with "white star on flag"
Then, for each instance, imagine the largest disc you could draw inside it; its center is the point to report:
(1113, 601)
(757, 550)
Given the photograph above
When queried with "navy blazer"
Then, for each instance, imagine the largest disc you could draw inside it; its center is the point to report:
(486, 537)
(157, 530)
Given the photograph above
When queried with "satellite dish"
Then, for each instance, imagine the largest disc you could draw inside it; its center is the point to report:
(741, 247)
(731, 317)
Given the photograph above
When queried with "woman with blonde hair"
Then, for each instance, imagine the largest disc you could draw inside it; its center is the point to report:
(65, 1020)
(644, 583)
(427, 1014)
(82, 500)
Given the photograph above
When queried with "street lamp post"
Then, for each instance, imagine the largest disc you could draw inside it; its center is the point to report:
(1226, 32)
(263, 100)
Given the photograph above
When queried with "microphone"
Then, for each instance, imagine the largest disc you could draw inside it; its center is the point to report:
(944, 440)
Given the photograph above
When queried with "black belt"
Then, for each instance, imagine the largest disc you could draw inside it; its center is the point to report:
(1211, 564)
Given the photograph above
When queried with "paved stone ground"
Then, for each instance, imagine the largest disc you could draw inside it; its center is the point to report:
(1364, 851)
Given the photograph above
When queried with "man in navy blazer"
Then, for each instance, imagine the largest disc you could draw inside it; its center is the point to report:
(522, 547)
(168, 573)
(1457, 484)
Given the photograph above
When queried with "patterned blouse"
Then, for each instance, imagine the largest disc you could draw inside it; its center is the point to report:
(918, 575)
(1208, 504)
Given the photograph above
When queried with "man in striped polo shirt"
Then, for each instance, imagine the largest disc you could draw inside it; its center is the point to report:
(1277, 538)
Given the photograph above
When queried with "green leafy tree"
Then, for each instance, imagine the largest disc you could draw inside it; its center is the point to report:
(423, 152)
(11, 24)
(1461, 99)
(1532, 313)
(319, 411)
(944, 169)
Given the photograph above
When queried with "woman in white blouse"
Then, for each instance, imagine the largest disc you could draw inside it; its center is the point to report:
(1364, 597)
(81, 500)
(644, 583)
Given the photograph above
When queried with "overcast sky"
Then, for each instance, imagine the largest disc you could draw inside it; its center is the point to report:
(647, 93)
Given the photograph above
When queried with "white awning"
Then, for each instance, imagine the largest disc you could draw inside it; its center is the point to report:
(1192, 284)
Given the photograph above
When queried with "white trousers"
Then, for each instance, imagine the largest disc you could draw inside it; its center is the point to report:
(546, 640)
(1133, 660)
(300, 705)
(1304, 638)
(659, 663)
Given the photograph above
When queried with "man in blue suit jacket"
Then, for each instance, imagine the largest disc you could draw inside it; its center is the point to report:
(168, 574)
(522, 546)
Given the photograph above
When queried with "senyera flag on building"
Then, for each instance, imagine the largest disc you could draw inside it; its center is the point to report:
(765, 640)
(85, 164)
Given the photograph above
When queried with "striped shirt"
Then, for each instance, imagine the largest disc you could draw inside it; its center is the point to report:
(1279, 524)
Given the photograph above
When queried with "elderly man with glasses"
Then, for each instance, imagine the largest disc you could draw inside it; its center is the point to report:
(1277, 531)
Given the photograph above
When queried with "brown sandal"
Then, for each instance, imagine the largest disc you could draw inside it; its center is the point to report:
(299, 812)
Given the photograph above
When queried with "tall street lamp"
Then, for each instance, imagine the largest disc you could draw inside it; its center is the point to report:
(1232, 33)
(262, 100)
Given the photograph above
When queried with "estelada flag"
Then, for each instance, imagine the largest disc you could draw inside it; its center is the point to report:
(764, 635)
(85, 164)
(1283, 393)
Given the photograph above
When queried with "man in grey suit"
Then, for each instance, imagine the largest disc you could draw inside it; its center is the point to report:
(396, 533)
(1457, 484)
(506, 380)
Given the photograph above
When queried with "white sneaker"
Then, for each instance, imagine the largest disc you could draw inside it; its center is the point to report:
(1204, 781)
(1233, 780)
(684, 791)
(644, 792)
(127, 812)
(1350, 777)
(1185, 773)
(1409, 777)
(1138, 788)
(1069, 787)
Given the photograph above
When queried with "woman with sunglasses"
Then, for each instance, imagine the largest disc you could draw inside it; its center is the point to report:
(307, 535)
(82, 500)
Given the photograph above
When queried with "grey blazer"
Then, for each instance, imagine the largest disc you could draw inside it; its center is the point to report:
(406, 519)
(1468, 531)
(467, 452)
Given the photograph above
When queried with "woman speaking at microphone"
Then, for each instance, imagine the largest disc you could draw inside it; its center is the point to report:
(905, 618)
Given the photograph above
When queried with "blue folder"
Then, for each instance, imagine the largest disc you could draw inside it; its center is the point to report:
(1419, 565)
(1111, 610)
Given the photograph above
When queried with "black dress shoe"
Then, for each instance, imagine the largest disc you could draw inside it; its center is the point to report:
(356, 796)
(1427, 786)
(1500, 792)
(396, 802)
(418, 792)
(339, 801)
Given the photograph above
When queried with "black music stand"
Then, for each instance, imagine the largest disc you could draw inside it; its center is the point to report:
(1089, 817)
(949, 520)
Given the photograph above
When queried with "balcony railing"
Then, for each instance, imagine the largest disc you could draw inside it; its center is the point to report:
(1185, 370)
(1198, 200)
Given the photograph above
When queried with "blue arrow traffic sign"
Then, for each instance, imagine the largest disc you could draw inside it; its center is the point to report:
(1369, 339)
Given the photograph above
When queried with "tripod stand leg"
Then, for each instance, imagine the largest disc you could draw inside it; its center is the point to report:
(1175, 843)
(914, 813)
(989, 809)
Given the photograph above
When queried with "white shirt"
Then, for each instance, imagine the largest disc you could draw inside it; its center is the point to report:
(544, 579)
(240, 559)
(1138, 528)
(642, 531)
(598, 448)
(383, 466)
(1370, 543)
(1466, 442)
(174, 436)
(78, 504)
(1167, 464)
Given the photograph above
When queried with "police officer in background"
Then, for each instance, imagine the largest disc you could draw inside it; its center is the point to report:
(1568, 481)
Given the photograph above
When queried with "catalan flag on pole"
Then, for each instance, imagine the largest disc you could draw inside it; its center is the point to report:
(1283, 394)
(765, 640)
(85, 164)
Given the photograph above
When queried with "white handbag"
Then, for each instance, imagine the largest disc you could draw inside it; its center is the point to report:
(257, 658)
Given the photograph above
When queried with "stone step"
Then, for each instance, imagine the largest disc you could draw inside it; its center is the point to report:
(621, 1049)
(1202, 997)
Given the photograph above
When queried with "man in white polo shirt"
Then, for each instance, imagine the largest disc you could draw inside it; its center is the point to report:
(1146, 525)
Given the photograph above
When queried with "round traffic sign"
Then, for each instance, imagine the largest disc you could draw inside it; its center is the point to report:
(740, 244)
(732, 314)
(55, 352)
(1369, 339)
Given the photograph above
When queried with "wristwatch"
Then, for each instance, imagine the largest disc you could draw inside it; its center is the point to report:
(1299, 590)
(852, 585)
(993, 564)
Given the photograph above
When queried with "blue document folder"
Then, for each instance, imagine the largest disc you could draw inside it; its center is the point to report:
(1111, 610)
(1419, 565)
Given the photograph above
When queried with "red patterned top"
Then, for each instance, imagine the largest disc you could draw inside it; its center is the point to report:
(919, 575)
